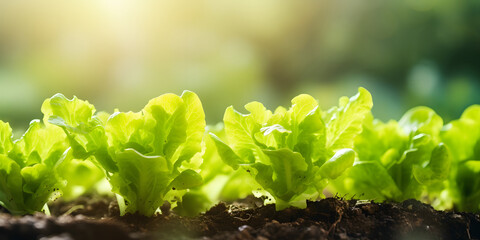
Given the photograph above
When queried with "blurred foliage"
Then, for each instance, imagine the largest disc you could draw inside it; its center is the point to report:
(121, 53)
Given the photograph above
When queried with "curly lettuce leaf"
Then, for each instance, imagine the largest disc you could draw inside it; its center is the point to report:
(368, 180)
(40, 185)
(437, 169)
(85, 131)
(335, 166)
(129, 130)
(6, 142)
(40, 144)
(141, 181)
(288, 175)
(345, 121)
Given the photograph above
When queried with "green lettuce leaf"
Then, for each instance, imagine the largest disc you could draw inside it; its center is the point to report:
(11, 189)
(142, 181)
(287, 175)
(437, 169)
(85, 131)
(369, 180)
(344, 122)
(6, 142)
(335, 166)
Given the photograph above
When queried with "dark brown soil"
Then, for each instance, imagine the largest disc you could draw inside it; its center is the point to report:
(331, 218)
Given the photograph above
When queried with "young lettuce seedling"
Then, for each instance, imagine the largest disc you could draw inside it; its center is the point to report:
(293, 153)
(28, 165)
(398, 160)
(463, 138)
(148, 156)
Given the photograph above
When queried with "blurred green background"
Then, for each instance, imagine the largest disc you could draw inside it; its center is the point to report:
(120, 54)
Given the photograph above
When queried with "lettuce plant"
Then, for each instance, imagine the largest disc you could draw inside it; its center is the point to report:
(463, 138)
(293, 153)
(148, 156)
(397, 160)
(28, 165)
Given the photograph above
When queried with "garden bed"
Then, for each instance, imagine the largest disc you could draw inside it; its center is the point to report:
(331, 218)
(166, 153)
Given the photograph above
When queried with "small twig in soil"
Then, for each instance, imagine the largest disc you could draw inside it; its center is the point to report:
(244, 219)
